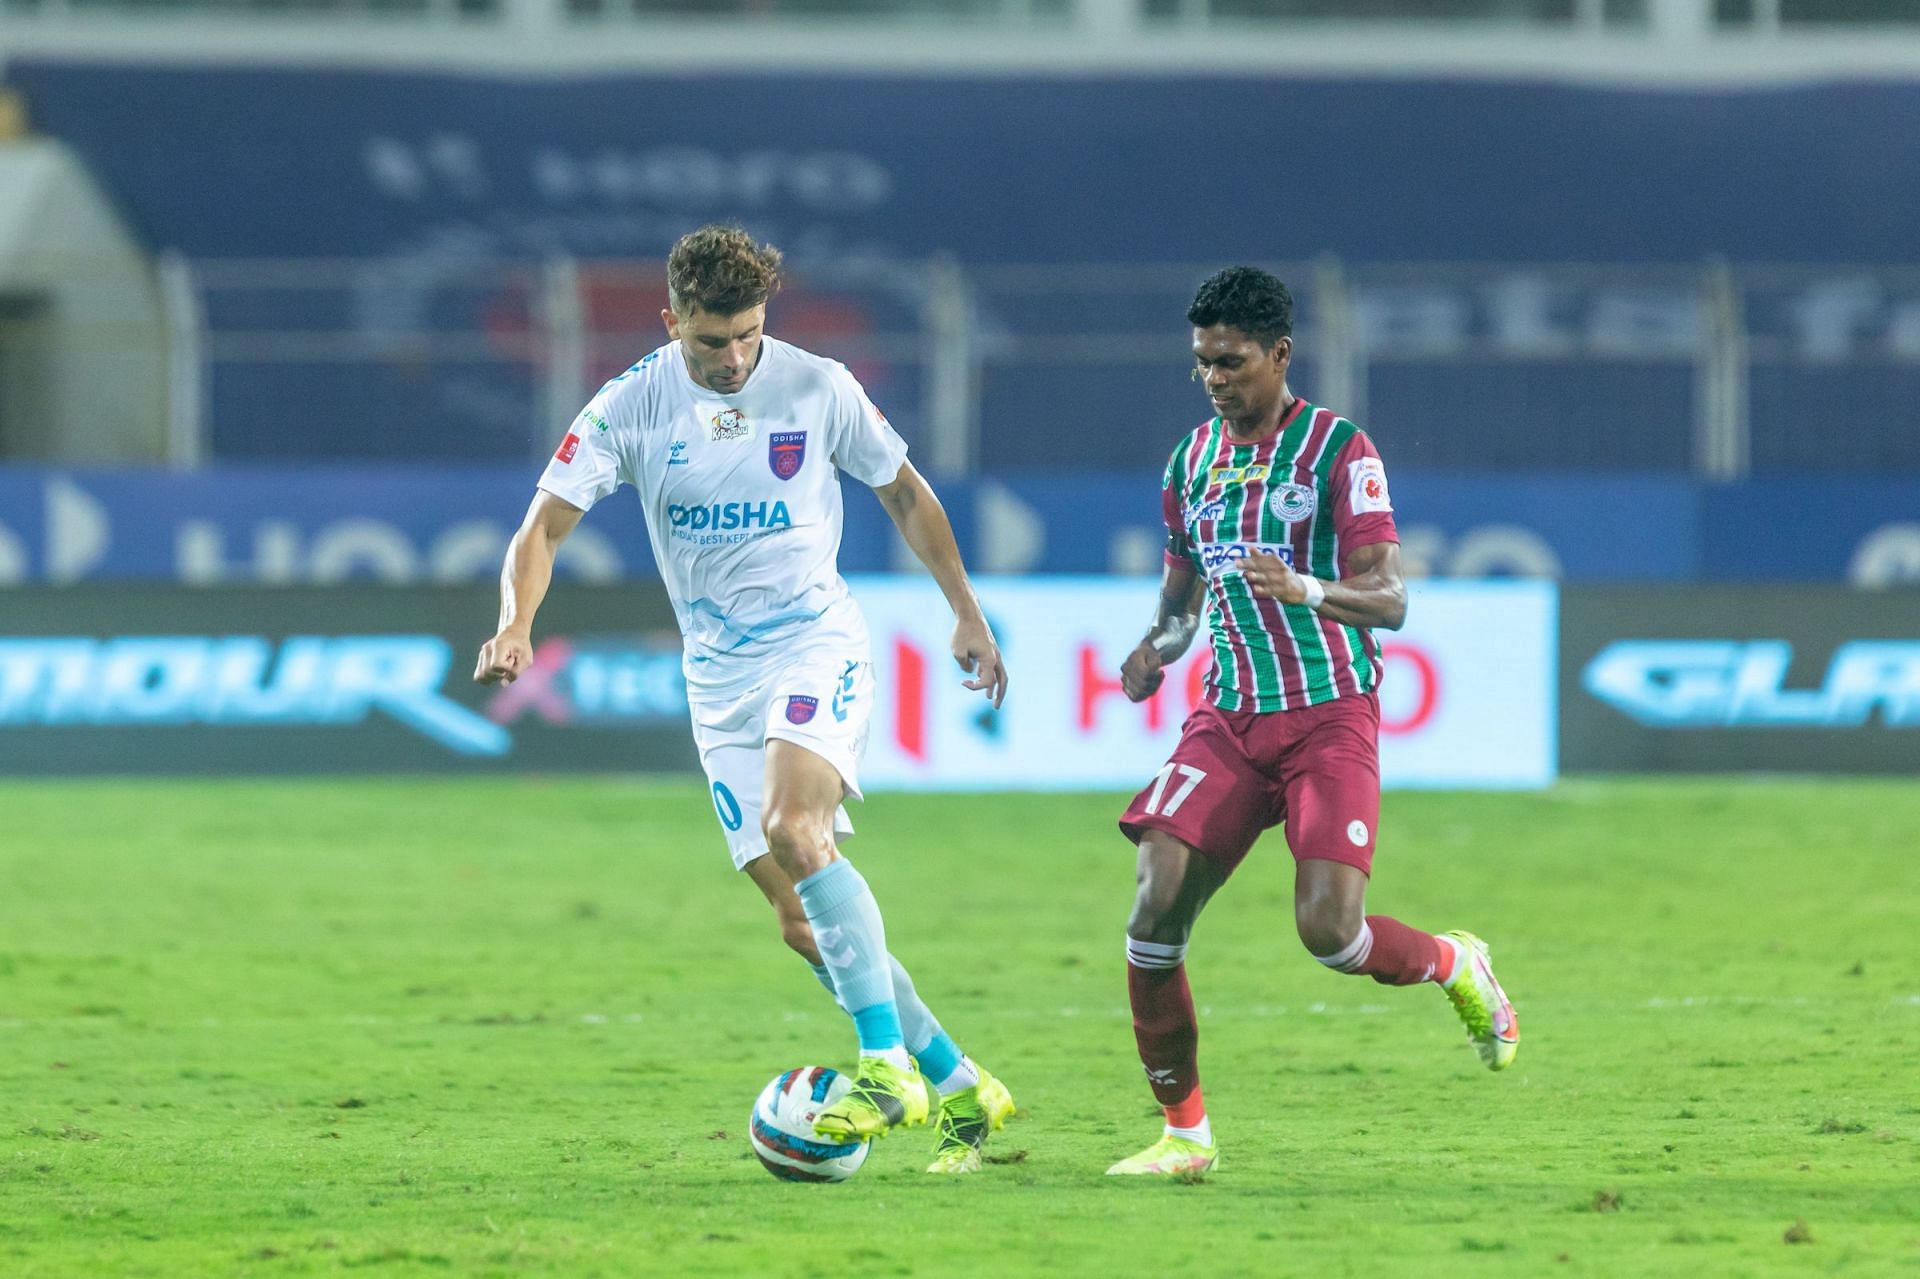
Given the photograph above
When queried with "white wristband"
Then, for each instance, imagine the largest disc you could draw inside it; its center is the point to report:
(1316, 593)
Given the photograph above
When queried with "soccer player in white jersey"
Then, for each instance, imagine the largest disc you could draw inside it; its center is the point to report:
(735, 442)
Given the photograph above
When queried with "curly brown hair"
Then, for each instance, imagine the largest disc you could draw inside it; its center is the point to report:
(720, 270)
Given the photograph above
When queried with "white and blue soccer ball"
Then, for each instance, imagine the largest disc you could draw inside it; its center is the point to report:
(781, 1127)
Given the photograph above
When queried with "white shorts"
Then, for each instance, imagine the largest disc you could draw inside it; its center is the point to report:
(820, 700)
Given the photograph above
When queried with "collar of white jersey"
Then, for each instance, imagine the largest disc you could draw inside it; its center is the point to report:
(680, 354)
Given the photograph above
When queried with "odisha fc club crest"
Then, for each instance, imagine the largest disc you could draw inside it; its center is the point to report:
(800, 709)
(730, 424)
(1291, 502)
(786, 450)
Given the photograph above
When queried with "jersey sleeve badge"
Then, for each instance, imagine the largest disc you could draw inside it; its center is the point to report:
(1368, 480)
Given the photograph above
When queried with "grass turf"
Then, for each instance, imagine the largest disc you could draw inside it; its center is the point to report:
(513, 1027)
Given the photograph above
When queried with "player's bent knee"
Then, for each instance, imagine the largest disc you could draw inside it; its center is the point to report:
(790, 832)
(800, 842)
(1324, 927)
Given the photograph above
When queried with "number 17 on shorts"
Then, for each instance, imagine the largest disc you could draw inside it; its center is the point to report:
(1166, 795)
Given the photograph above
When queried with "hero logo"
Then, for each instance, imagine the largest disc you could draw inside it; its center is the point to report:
(239, 680)
(1732, 683)
(1224, 557)
(730, 515)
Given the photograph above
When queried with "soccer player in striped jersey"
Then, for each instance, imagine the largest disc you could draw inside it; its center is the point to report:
(1280, 528)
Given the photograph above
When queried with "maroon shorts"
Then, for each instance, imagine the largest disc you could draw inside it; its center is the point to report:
(1237, 773)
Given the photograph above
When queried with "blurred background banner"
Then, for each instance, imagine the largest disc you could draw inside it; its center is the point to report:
(367, 680)
(1731, 679)
(278, 526)
(300, 296)
(1448, 716)
(1670, 273)
(141, 679)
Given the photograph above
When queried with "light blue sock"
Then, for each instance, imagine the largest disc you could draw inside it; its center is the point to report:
(930, 1045)
(853, 945)
(825, 978)
(932, 1048)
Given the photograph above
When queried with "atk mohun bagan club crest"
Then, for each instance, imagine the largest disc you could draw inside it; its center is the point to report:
(1291, 502)
(730, 424)
(786, 450)
(800, 709)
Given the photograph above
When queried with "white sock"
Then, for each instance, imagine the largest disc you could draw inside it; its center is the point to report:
(964, 1076)
(1459, 961)
(1202, 1134)
(896, 1057)
(1349, 958)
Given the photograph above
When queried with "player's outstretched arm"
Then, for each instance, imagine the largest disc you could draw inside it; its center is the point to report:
(917, 513)
(1371, 591)
(1174, 627)
(524, 579)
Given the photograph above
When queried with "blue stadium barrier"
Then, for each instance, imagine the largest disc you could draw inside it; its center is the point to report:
(412, 525)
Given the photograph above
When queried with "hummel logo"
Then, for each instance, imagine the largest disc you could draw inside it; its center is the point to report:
(677, 455)
(1160, 1076)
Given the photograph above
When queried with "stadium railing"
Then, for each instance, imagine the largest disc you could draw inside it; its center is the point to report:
(1712, 369)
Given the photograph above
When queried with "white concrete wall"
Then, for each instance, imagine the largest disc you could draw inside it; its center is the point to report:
(103, 376)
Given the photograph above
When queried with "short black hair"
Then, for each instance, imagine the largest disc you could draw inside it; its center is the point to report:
(1244, 298)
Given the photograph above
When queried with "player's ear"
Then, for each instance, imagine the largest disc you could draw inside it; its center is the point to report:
(1282, 350)
(672, 321)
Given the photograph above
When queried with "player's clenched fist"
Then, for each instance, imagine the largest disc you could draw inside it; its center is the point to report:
(1141, 673)
(503, 658)
(1273, 577)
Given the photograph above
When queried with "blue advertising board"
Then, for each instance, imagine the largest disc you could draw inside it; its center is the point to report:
(1856, 528)
(426, 525)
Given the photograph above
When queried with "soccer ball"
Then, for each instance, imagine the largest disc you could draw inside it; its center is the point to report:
(781, 1127)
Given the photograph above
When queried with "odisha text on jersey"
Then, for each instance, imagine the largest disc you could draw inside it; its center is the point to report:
(725, 515)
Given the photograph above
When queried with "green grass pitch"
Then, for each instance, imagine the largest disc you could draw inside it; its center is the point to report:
(514, 1026)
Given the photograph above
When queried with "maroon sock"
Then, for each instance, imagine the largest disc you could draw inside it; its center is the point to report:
(1166, 1030)
(1403, 956)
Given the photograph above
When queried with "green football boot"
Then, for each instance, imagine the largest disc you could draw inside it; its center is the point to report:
(1170, 1156)
(966, 1117)
(1482, 1005)
(883, 1097)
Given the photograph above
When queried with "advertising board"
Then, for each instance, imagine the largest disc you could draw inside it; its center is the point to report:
(1467, 700)
(1730, 679)
(146, 679)
(156, 680)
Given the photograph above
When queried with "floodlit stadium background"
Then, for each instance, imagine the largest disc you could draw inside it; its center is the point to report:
(294, 298)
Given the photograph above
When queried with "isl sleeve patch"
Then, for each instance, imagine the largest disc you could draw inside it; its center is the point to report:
(1367, 481)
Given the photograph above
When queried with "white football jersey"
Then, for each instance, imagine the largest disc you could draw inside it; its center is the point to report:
(742, 498)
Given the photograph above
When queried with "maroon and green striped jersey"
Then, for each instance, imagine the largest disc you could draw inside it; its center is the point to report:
(1311, 493)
